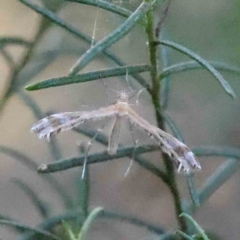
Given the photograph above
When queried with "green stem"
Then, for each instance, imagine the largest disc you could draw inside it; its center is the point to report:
(153, 60)
(85, 192)
(156, 86)
(88, 223)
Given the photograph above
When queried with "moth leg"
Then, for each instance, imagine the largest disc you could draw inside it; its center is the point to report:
(89, 144)
(114, 135)
(138, 95)
(135, 142)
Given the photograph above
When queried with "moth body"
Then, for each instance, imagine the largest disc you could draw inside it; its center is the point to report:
(177, 151)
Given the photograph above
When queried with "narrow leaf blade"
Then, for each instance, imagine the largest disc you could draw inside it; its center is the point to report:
(196, 225)
(192, 65)
(94, 158)
(91, 76)
(112, 38)
(86, 225)
(226, 86)
(27, 228)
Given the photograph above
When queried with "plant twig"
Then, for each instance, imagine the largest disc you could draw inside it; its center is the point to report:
(94, 158)
(160, 119)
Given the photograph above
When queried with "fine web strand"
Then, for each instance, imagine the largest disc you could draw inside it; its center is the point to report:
(95, 27)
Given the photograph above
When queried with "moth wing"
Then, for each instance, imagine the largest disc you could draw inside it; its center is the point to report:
(64, 121)
(56, 123)
(183, 156)
(177, 150)
(114, 136)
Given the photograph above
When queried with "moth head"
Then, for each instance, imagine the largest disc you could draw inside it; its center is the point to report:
(123, 97)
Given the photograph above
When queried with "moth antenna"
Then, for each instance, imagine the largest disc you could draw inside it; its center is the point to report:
(107, 87)
(127, 80)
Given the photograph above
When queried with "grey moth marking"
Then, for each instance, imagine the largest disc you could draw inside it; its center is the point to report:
(178, 151)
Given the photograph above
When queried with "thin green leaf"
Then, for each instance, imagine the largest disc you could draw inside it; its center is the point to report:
(69, 231)
(155, 3)
(112, 38)
(168, 236)
(105, 5)
(28, 162)
(151, 168)
(36, 66)
(31, 104)
(85, 77)
(86, 225)
(228, 152)
(196, 225)
(50, 223)
(53, 5)
(27, 228)
(71, 215)
(224, 151)
(25, 69)
(54, 18)
(132, 220)
(8, 58)
(83, 184)
(161, 20)
(165, 82)
(13, 41)
(84, 192)
(226, 86)
(175, 130)
(18, 230)
(25, 75)
(5, 217)
(224, 172)
(63, 24)
(192, 65)
(12, 81)
(34, 197)
(94, 158)
(64, 196)
(192, 190)
(220, 176)
(184, 235)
